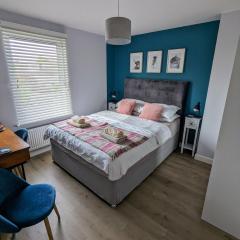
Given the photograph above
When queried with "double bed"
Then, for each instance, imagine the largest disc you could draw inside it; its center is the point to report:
(113, 179)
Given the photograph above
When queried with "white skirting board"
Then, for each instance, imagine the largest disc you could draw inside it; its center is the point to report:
(40, 151)
(204, 159)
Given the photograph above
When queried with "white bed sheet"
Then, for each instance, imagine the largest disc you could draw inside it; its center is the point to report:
(157, 133)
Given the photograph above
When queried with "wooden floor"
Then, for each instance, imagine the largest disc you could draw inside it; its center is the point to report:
(167, 205)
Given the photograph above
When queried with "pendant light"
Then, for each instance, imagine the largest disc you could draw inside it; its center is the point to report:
(118, 30)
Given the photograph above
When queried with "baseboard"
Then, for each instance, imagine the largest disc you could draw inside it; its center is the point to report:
(40, 151)
(204, 159)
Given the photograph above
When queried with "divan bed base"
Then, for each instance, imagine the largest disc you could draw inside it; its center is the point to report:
(113, 192)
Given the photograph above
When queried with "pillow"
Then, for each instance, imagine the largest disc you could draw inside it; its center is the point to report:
(169, 120)
(169, 110)
(126, 106)
(138, 106)
(151, 111)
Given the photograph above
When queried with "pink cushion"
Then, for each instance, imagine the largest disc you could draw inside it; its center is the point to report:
(126, 106)
(152, 111)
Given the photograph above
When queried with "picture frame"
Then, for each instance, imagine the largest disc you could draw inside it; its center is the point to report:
(136, 62)
(154, 61)
(176, 60)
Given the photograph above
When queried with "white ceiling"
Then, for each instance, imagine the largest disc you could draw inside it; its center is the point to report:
(146, 15)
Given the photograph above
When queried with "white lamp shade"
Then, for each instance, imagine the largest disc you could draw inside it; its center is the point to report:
(118, 31)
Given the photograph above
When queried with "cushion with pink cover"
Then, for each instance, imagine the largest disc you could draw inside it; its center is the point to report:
(152, 111)
(126, 106)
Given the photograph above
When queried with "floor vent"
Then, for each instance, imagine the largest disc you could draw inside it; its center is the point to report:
(36, 140)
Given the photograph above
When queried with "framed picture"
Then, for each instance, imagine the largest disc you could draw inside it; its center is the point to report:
(154, 61)
(175, 61)
(136, 62)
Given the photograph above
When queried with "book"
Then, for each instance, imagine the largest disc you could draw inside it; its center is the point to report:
(4, 150)
(2, 128)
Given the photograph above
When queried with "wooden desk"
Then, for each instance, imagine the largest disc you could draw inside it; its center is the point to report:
(19, 150)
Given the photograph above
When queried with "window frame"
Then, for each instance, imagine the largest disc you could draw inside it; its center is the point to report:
(33, 30)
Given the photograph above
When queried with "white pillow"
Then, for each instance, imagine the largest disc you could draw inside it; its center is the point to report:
(169, 120)
(169, 111)
(138, 106)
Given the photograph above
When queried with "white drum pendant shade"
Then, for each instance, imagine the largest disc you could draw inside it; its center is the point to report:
(118, 31)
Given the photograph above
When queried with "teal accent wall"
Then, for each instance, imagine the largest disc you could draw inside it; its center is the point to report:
(199, 41)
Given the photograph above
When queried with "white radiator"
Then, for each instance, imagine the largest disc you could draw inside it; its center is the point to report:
(36, 140)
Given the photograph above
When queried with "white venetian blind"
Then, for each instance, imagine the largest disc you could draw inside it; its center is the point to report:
(38, 72)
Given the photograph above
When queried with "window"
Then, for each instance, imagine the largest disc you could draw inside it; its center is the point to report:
(38, 72)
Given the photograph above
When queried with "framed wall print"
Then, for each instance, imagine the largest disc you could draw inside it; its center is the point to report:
(154, 61)
(175, 61)
(136, 60)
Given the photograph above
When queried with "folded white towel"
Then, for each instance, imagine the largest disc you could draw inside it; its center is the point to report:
(79, 125)
(113, 139)
(75, 118)
(116, 133)
(78, 119)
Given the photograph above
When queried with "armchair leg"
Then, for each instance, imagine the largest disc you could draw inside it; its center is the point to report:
(57, 212)
(49, 230)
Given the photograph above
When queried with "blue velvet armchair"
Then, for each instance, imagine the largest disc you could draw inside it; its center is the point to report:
(22, 133)
(23, 205)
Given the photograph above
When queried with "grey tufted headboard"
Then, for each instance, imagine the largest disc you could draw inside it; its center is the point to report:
(157, 91)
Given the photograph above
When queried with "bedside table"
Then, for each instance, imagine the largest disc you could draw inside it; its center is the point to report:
(194, 124)
(112, 106)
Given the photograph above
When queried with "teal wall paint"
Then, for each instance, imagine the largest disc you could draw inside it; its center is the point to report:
(199, 41)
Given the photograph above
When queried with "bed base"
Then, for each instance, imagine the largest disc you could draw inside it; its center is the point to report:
(113, 192)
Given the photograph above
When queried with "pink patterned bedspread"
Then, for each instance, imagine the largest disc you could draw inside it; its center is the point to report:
(91, 135)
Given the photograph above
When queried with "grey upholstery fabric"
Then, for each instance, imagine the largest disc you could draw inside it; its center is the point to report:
(113, 192)
(157, 91)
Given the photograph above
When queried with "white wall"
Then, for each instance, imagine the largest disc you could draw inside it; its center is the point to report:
(219, 82)
(222, 203)
(87, 69)
(7, 112)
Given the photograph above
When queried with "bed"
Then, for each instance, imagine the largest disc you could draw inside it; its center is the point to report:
(114, 180)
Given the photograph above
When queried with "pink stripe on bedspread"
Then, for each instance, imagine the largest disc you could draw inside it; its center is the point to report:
(91, 135)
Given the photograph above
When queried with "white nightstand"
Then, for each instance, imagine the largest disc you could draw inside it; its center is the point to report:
(112, 106)
(190, 123)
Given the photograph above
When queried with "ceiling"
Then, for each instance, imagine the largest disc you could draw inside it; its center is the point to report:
(146, 15)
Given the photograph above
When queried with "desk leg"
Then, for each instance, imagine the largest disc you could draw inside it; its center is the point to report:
(23, 172)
